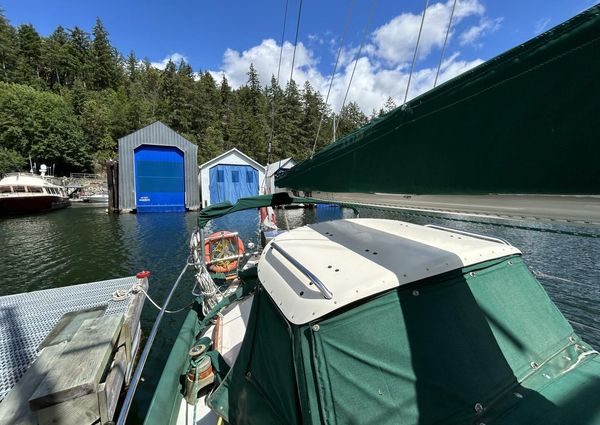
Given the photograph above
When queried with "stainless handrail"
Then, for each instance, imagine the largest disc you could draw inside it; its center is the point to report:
(327, 294)
(144, 356)
(474, 235)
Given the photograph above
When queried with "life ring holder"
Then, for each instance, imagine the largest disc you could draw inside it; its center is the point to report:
(223, 241)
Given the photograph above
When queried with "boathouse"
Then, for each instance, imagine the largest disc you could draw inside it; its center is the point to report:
(275, 170)
(230, 176)
(157, 171)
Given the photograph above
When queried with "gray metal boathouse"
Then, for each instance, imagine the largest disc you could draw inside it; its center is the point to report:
(158, 171)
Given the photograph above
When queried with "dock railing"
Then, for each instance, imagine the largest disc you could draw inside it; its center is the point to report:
(89, 176)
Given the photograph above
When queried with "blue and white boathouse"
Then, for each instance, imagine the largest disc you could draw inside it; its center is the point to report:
(230, 176)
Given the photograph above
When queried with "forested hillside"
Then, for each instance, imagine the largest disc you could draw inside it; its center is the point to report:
(67, 98)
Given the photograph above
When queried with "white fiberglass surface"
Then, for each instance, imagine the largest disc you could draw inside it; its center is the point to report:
(357, 258)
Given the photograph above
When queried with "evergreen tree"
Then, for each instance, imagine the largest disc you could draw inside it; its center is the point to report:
(252, 133)
(132, 68)
(104, 59)
(8, 49)
(78, 96)
(275, 96)
(29, 65)
(388, 106)
(57, 64)
(211, 144)
(350, 119)
(207, 106)
(313, 108)
(226, 112)
(293, 139)
(79, 56)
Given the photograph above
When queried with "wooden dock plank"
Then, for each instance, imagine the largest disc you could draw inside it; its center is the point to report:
(69, 323)
(79, 411)
(80, 367)
(14, 409)
(110, 389)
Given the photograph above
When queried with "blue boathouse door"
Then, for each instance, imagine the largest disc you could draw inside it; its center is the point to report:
(231, 182)
(159, 179)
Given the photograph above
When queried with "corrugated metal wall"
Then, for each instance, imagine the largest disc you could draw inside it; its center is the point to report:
(156, 134)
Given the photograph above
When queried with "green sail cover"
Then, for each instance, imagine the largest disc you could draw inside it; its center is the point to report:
(479, 345)
(251, 202)
(523, 122)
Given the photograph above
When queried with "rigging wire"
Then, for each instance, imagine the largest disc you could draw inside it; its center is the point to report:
(412, 66)
(270, 146)
(296, 40)
(444, 47)
(362, 43)
(337, 59)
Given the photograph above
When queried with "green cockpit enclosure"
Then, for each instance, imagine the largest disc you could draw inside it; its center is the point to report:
(453, 349)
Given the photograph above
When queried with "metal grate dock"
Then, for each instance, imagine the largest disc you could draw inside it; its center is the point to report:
(26, 319)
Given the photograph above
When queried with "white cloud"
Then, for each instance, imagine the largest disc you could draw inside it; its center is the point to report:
(382, 69)
(541, 25)
(395, 41)
(174, 57)
(473, 34)
(265, 58)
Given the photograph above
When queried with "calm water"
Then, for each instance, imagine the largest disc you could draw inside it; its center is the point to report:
(84, 244)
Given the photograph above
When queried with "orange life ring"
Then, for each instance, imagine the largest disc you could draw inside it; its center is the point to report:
(223, 244)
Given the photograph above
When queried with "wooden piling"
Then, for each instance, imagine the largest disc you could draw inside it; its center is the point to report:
(112, 180)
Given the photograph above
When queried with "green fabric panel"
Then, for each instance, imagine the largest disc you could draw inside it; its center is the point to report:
(527, 325)
(428, 357)
(571, 399)
(261, 386)
(523, 122)
(310, 404)
(164, 406)
(224, 208)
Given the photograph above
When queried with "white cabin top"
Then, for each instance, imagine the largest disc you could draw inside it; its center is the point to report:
(24, 179)
(357, 258)
(28, 185)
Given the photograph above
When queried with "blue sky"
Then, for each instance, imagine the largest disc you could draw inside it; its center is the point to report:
(224, 37)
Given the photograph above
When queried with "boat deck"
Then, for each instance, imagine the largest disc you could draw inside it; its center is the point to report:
(27, 319)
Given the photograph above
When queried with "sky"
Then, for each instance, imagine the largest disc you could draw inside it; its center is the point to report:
(225, 37)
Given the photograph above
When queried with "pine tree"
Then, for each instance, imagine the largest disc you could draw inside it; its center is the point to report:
(388, 106)
(225, 111)
(274, 96)
(291, 135)
(253, 132)
(314, 108)
(8, 49)
(350, 118)
(29, 65)
(207, 106)
(104, 59)
(57, 64)
(79, 55)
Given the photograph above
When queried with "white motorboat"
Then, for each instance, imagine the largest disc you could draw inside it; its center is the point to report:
(27, 193)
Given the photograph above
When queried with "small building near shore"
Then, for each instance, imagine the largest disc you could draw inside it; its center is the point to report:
(274, 170)
(158, 171)
(230, 176)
